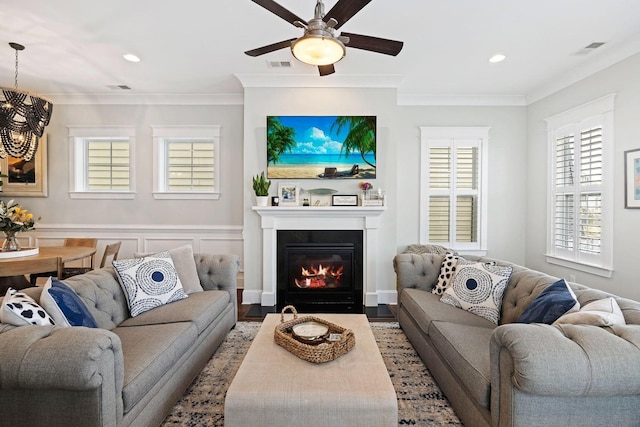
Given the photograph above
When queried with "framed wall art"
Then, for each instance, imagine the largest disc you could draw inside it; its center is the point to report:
(632, 179)
(26, 179)
(289, 194)
(321, 147)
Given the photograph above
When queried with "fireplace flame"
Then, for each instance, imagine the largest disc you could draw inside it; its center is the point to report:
(320, 277)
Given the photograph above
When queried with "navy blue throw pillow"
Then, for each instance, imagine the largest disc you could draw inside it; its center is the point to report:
(554, 301)
(65, 306)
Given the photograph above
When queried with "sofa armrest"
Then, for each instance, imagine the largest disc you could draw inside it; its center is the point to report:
(566, 360)
(41, 360)
(219, 272)
(417, 271)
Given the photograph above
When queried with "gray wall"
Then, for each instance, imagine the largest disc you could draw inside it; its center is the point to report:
(142, 224)
(59, 209)
(621, 79)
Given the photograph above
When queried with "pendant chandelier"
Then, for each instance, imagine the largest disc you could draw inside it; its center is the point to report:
(23, 117)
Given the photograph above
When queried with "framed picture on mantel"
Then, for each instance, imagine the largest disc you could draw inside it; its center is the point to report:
(289, 194)
(345, 200)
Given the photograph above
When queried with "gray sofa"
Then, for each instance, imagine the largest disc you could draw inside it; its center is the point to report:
(128, 372)
(516, 374)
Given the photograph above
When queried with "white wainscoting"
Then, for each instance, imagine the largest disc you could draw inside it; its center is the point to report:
(141, 237)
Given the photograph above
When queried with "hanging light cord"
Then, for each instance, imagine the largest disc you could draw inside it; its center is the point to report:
(16, 69)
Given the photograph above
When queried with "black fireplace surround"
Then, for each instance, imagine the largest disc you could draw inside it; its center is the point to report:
(320, 270)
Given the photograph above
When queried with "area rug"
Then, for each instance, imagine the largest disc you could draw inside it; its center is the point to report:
(420, 401)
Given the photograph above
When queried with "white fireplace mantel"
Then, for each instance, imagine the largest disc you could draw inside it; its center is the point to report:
(276, 218)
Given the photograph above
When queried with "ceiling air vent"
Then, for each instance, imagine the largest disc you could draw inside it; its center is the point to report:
(589, 48)
(119, 87)
(279, 64)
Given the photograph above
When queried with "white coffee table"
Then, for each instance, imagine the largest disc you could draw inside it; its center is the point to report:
(275, 388)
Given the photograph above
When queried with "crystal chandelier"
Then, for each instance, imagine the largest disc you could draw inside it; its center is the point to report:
(23, 117)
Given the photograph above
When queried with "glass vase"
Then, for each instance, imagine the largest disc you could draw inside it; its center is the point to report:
(10, 242)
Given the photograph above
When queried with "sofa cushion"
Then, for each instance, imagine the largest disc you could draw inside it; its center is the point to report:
(202, 308)
(149, 353)
(554, 301)
(478, 288)
(185, 265)
(425, 307)
(149, 282)
(466, 350)
(64, 305)
(20, 309)
(604, 312)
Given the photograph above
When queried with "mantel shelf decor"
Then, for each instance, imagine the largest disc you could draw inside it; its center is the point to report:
(23, 117)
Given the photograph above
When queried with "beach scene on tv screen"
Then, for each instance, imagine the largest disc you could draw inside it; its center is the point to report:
(321, 147)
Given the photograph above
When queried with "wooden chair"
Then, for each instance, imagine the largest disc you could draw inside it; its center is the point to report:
(110, 250)
(11, 271)
(71, 271)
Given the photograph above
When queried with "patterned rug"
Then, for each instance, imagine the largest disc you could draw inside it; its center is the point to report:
(420, 401)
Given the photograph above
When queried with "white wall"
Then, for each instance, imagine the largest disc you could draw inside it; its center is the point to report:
(398, 156)
(621, 79)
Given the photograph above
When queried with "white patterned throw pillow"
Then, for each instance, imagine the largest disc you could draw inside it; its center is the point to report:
(478, 288)
(19, 309)
(149, 282)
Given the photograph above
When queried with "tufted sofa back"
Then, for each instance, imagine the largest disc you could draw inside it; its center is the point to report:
(420, 271)
(101, 292)
(103, 296)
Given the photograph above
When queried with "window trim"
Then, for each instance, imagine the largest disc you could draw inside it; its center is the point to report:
(573, 121)
(78, 136)
(191, 132)
(480, 135)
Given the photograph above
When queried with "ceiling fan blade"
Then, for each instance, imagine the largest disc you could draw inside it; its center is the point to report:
(325, 70)
(269, 48)
(276, 9)
(374, 44)
(344, 10)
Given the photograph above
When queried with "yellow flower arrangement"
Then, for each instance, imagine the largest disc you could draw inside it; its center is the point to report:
(14, 218)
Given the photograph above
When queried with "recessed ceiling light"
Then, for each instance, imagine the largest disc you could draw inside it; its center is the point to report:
(498, 57)
(131, 57)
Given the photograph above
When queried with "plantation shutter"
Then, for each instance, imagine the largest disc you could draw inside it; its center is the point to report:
(586, 190)
(108, 165)
(564, 183)
(190, 166)
(439, 199)
(453, 175)
(467, 194)
(590, 190)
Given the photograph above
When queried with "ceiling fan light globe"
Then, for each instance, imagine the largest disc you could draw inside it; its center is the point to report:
(318, 50)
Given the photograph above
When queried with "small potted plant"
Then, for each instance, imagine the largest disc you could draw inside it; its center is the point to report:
(261, 188)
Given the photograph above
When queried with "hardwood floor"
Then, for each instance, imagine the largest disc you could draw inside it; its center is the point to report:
(256, 313)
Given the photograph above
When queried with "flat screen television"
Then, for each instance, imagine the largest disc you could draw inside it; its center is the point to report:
(321, 147)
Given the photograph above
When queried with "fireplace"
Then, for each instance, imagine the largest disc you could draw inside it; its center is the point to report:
(320, 270)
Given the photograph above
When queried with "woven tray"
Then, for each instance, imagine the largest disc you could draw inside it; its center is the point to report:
(316, 353)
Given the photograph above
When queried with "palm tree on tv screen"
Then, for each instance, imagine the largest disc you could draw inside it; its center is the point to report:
(361, 136)
(279, 139)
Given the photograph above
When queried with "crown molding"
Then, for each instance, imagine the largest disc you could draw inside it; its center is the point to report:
(147, 99)
(409, 99)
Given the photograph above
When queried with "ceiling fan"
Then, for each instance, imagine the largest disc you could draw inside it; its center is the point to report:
(322, 44)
